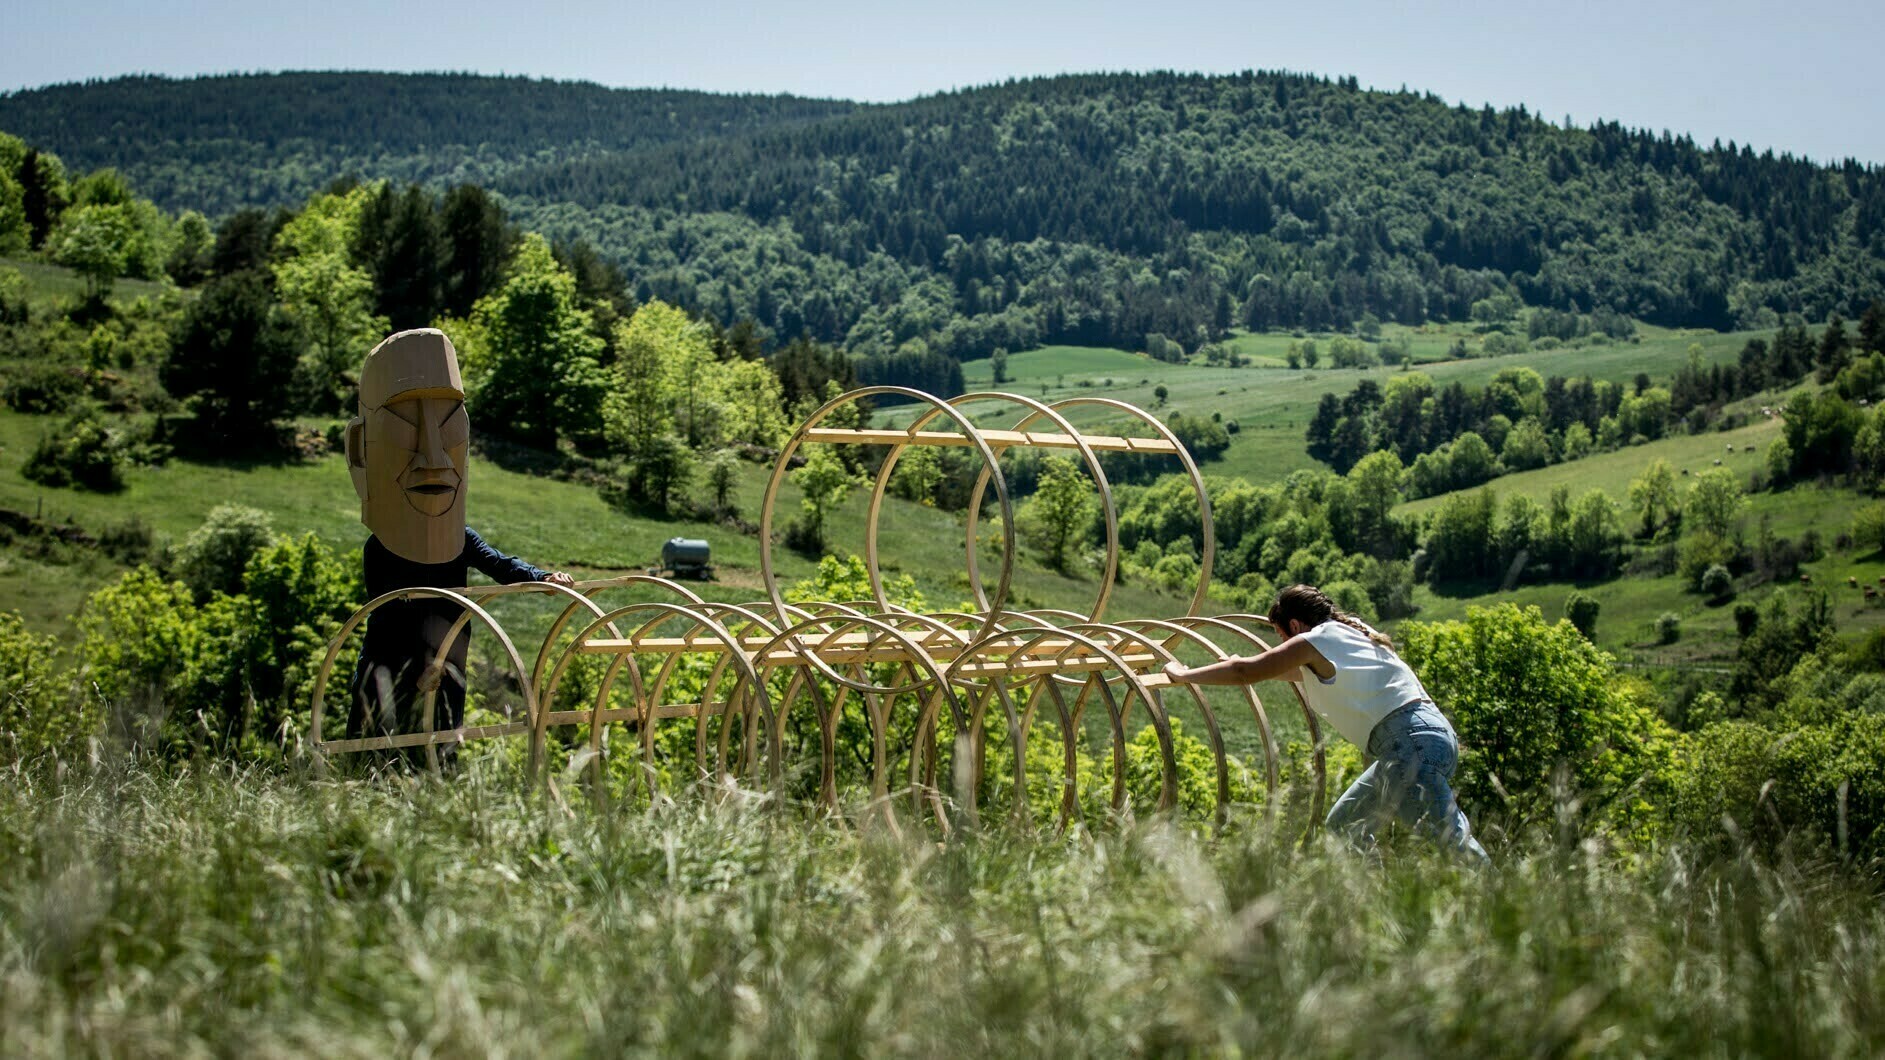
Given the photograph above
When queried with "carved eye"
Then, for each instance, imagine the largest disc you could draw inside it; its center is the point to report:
(455, 427)
(394, 428)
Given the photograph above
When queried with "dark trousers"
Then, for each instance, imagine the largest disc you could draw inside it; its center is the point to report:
(389, 699)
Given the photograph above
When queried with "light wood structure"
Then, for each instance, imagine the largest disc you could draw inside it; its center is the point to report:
(765, 686)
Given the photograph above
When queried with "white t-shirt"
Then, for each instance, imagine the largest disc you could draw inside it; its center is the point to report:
(1370, 681)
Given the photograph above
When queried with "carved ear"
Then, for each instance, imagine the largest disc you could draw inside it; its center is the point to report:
(356, 449)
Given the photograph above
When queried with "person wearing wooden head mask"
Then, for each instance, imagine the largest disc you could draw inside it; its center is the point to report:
(407, 453)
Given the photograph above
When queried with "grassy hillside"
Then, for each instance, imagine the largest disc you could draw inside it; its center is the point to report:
(1272, 406)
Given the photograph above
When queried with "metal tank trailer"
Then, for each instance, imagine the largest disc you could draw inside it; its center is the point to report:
(934, 678)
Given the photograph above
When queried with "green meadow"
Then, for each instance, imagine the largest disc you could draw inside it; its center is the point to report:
(1271, 405)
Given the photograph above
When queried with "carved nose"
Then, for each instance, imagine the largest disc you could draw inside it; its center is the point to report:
(432, 452)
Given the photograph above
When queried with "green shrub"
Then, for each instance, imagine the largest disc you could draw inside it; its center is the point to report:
(212, 559)
(1529, 698)
(82, 452)
(1581, 610)
(41, 707)
(1717, 583)
(132, 639)
(42, 389)
(1668, 627)
(1820, 785)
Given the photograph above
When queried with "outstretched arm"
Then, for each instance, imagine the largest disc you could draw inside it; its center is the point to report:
(505, 570)
(1284, 662)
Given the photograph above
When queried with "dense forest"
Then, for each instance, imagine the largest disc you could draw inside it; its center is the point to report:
(1121, 210)
(216, 144)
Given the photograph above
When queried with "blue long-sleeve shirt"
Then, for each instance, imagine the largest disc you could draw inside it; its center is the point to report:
(408, 629)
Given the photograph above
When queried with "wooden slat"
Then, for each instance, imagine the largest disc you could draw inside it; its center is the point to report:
(420, 739)
(846, 648)
(996, 439)
(1057, 666)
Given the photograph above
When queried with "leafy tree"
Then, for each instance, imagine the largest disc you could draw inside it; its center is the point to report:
(661, 472)
(397, 236)
(722, 476)
(95, 242)
(998, 364)
(1062, 505)
(919, 472)
(191, 255)
(1595, 535)
(824, 482)
(1715, 500)
(233, 356)
(328, 299)
(1668, 627)
(1530, 698)
(1653, 496)
(243, 241)
(1526, 447)
(134, 637)
(1459, 540)
(533, 371)
(1376, 485)
(1471, 462)
(1868, 526)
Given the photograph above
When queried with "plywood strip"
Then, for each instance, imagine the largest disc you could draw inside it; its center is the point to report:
(420, 739)
(996, 439)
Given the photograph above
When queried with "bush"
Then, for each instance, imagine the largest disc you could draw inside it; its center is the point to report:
(1701, 550)
(1717, 583)
(1668, 627)
(216, 553)
(1530, 698)
(132, 640)
(1822, 785)
(1580, 609)
(41, 389)
(82, 453)
(41, 709)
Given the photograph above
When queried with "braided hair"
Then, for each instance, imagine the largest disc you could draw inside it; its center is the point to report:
(1312, 607)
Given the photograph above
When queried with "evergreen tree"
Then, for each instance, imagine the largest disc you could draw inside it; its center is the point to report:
(232, 357)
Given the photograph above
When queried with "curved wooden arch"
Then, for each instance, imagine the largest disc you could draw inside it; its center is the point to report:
(321, 748)
(805, 430)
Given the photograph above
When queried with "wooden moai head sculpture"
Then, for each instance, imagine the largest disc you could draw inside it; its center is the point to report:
(407, 449)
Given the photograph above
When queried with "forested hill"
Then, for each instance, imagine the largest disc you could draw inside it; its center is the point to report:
(218, 143)
(1088, 209)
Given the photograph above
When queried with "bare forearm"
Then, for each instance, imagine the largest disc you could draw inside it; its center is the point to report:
(1241, 671)
(1283, 662)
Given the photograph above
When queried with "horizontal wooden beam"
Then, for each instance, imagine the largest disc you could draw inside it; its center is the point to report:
(420, 739)
(996, 439)
(845, 647)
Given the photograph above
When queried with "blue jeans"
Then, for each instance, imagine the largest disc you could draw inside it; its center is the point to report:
(1415, 753)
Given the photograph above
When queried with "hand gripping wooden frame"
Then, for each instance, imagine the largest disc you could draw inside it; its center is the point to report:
(773, 670)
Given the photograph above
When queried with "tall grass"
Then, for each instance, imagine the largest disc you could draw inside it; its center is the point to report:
(220, 911)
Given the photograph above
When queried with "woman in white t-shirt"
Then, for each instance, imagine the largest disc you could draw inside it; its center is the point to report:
(1350, 675)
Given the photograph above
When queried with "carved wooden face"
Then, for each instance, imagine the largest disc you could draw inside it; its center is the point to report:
(407, 450)
(415, 451)
(428, 437)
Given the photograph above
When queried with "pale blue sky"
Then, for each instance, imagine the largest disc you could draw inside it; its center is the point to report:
(1801, 76)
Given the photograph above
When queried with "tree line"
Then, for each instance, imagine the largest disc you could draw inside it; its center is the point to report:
(1088, 209)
